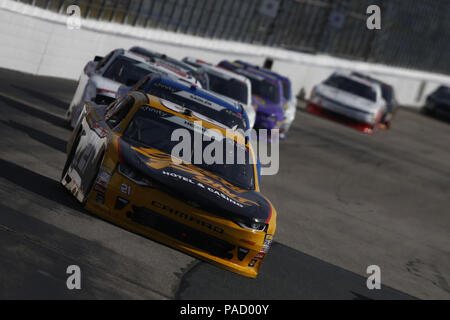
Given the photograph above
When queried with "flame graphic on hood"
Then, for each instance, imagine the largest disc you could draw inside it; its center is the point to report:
(159, 160)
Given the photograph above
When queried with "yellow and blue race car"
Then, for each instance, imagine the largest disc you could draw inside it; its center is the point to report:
(120, 166)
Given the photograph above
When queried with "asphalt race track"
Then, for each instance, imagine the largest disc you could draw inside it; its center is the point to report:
(345, 201)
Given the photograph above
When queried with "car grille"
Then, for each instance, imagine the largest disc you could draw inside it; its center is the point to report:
(344, 105)
(339, 117)
(182, 232)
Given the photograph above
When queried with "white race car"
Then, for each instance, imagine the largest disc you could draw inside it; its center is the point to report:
(229, 84)
(349, 99)
(102, 77)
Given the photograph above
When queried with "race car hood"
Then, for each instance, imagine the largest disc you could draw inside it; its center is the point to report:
(195, 185)
(268, 108)
(347, 98)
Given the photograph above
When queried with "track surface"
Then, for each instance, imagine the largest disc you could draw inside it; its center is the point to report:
(345, 201)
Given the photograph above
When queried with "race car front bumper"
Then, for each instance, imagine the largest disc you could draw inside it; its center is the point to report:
(153, 213)
(360, 125)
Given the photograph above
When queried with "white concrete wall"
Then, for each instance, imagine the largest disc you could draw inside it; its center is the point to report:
(37, 41)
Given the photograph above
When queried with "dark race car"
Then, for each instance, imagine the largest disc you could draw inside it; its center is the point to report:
(267, 92)
(438, 103)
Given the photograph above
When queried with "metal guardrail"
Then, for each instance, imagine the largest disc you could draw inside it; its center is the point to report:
(414, 34)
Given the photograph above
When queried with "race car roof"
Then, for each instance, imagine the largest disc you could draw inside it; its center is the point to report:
(158, 66)
(163, 58)
(250, 72)
(285, 80)
(209, 123)
(224, 73)
(370, 78)
(350, 75)
(270, 72)
(208, 95)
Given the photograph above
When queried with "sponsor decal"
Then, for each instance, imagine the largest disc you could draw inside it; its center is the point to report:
(100, 184)
(100, 194)
(186, 216)
(264, 249)
(200, 100)
(260, 255)
(267, 243)
(252, 263)
(166, 87)
(268, 238)
(124, 188)
(207, 188)
(159, 160)
(158, 112)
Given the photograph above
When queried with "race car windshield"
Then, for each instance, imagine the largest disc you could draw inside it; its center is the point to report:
(231, 88)
(127, 71)
(198, 104)
(265, 89)
(353, 87)
(153, 128)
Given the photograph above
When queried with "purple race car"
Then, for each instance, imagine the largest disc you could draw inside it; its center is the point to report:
(290, 102)
(267, 95)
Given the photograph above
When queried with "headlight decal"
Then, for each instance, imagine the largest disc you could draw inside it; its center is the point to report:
(251, 225)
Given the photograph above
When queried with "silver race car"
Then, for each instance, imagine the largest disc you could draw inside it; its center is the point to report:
(350, 100)
(102, 77)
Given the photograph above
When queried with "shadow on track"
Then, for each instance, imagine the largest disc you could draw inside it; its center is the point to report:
(36, 183)
(34, 257)
(286, 274)
(38, 135)
(438, 116)
(34, 112)
(43, 97)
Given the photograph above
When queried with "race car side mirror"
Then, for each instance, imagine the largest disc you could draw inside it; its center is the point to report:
(88, 68)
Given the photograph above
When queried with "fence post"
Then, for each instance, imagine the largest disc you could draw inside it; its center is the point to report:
(150, 14)
(138, 12)
(218, 20)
